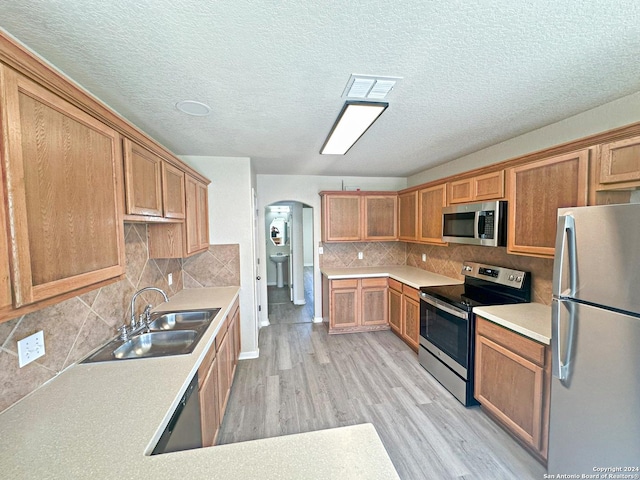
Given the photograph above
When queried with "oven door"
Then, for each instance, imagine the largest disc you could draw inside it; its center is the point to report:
(445, 332)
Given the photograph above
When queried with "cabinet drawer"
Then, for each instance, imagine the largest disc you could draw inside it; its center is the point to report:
(346, 283)
(411, 292)
(525, 347)
(374, 282)
(204, 367)
(395, 285)
(221, 335)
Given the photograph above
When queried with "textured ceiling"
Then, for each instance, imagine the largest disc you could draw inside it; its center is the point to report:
(474, 73)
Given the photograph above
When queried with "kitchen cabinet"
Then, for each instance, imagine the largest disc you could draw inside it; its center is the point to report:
(155, 189)
(620, 164)
(355, 304)
(215, 375)
(63, 193)
(536, 191)
(404, 312)
(359, 216)
(430, 203)
(489, 186)
(408, 216)
(512, 375)
(209, 402)
(181, 240)
(5, 281)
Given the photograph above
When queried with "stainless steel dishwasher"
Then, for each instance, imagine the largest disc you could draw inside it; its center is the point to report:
(183, 431)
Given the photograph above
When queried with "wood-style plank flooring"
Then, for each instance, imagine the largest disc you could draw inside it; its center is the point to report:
(307, 380)
(282, 310)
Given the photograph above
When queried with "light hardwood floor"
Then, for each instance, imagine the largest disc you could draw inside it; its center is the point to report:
(282, 310)
(307, 380)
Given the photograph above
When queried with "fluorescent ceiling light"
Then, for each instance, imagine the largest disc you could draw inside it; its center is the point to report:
(354, 119)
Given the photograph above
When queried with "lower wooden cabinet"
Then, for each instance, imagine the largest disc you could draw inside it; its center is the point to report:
(512, 383)
(215, 376)
(355, 304)
(404, 312)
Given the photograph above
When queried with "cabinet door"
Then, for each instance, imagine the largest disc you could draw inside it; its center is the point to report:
(395, 310)
(380, 217)
(341, 220)
(63, 172)
(344, 305)
(511, 388)
(173, 196)
(223, 357)
(620, 161)
(408, 216)
(373, 301)
(143, 184)
(210, 406)
(192, 231)
(537, 190)
(461, 191)
(203, 217)
(431, 201)
(411, 324)
(5, 281)
(489, 186)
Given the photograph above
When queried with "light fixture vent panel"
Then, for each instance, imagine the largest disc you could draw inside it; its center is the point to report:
(369, 87)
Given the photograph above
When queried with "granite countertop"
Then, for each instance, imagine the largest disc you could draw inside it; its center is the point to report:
(101, 420)
(412, 276)
(532, 320)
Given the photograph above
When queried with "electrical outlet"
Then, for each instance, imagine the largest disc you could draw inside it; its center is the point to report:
(424, 257)
(320, 250)
(170, 279)
(360, 256)
(30, 348)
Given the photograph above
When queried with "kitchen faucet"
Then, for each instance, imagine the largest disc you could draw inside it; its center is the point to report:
(144, 317)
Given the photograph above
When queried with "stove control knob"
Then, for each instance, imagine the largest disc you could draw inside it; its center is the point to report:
(511, 277)
(518, 278)
(467, 268)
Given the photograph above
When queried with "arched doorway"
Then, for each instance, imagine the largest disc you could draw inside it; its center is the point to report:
(289, 262)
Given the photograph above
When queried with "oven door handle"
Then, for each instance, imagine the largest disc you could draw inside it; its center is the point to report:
(444, 307)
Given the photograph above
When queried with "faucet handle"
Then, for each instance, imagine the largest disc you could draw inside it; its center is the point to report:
(124, 332)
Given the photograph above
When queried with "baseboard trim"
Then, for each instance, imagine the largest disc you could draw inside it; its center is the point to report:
(265, 323)
(249, 355)
(299, 302)
(317, 319)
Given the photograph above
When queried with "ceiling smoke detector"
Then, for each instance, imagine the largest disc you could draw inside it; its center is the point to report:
(369, 87)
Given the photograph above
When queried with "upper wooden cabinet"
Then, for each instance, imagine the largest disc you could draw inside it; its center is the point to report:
(359, 216)
(63, 173)
(430, 203)
(620, 164)
(154, 188)
(173, 192)
(180, 240)
(489, 186)
(408, 216)
(536, 191)
(5, 281)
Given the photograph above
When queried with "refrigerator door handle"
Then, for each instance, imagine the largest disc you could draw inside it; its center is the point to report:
(565, 247)
(561, 364)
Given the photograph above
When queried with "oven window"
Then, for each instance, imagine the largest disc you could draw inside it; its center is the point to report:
(459, 224)
(447, 332)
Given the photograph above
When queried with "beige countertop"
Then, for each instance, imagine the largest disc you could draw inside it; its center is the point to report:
(101, 420)
(532, 320)
(412, 276)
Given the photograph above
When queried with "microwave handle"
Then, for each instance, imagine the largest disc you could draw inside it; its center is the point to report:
(480, 224)
(476, 225)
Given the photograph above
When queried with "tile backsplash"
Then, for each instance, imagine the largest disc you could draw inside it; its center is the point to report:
(445, 260)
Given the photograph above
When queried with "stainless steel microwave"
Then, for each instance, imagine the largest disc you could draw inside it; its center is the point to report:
(476, 224)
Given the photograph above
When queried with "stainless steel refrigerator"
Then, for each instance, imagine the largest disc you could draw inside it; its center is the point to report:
(595, 389)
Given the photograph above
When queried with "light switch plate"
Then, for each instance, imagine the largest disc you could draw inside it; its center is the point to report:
(360, 256)
(424, 257)
(30, 348)
(320, 250)
(170, 279)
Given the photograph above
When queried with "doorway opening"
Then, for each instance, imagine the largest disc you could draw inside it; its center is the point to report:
(289, 262)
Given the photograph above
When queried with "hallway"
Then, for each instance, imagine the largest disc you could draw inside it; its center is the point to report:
(283, 311)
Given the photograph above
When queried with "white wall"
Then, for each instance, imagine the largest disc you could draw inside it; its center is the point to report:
(307, 221)
(231, 222)
(618, 113)
(305, 188)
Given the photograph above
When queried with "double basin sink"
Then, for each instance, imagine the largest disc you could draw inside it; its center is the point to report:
(170, 333)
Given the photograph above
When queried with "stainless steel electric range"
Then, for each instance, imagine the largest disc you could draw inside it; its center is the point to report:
(447, 323)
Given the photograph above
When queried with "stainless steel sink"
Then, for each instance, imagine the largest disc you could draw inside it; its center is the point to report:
(156, 344)
(170, 333)
(181, 320)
